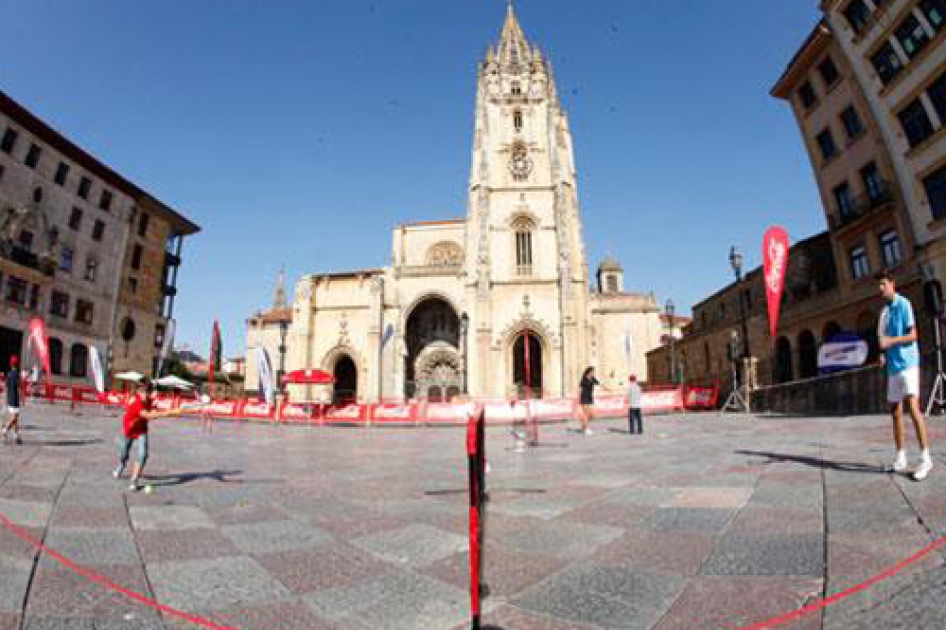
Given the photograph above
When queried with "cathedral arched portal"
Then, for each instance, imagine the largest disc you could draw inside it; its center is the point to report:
(346, 380)
(527, 364)
(433, 365)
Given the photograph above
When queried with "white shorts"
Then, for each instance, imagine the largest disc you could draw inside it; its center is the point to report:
(903, 384)
(13, 410)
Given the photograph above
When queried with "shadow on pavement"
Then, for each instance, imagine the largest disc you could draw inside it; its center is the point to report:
(817, 462)
(220, 476)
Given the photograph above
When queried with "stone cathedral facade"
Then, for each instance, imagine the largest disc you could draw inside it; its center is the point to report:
(478, 305)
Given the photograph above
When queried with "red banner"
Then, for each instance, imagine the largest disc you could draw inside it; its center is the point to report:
(775, 256)
(39, 341)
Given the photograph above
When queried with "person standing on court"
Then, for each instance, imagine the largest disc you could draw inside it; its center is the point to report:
(586, 398)
(635, 419)
(13, 400)
(896, 334)
(135, 429)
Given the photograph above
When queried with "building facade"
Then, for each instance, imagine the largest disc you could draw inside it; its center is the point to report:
(496, 304)
(896, 51)
(66, 227)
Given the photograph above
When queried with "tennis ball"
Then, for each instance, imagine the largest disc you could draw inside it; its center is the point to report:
(148, 489)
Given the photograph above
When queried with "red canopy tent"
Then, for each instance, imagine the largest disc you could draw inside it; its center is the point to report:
(308, 377)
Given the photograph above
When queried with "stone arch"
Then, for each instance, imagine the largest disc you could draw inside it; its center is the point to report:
(807, 354)
(331, 361)
(512, 346)
(432, 343)
(829, 330)
(783, 370)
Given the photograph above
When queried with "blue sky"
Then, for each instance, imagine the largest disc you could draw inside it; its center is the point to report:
(299, 132)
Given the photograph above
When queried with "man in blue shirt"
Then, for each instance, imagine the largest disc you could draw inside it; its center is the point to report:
(896, 333)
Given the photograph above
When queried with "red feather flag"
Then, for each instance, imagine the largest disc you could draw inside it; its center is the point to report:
(213, 363)
(775, 248)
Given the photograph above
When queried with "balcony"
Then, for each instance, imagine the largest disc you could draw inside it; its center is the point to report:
(861, 206)
(169, 290)
(171, 259)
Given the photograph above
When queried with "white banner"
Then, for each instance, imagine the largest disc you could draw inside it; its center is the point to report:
(98, 373)
(267, 382)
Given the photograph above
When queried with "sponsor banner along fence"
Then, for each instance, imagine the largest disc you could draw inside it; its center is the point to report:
(654, 400)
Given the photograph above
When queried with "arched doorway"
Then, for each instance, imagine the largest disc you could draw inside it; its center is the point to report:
(433, 364)
(867, 330)
(346, 381)
(807, 355)
(521, 377)
(831, 329)
(783, 361)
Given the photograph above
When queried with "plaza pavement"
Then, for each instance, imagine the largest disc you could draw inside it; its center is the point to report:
(700, 523)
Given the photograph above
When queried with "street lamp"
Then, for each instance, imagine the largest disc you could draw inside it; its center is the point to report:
(283, 328)
(670, 310)
(735, 260)
(464, 327)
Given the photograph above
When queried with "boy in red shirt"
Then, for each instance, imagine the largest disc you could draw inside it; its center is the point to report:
(135, 427)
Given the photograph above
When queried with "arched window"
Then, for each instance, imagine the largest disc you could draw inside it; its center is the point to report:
(517, 120)
(55, 355)
(523, 228)
(78, 360)
(516, 88)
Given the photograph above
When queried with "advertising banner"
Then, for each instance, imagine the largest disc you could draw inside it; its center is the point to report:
(775, 247)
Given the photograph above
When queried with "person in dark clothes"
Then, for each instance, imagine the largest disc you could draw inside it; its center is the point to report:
(635, 419)
(13, 400)
(586, 399)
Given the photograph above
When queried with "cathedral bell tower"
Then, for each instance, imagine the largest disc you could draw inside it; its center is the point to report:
(526, 268)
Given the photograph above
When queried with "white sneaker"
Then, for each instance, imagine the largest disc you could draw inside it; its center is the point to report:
(899, 464)
(117, 473)
(923, 469)
(133, 486)
(588, 432)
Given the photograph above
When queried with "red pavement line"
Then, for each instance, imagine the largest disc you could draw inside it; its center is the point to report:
(104, 581)
(857, 588)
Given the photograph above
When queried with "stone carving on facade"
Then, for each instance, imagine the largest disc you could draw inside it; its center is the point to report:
(343, 339)
(445, 254)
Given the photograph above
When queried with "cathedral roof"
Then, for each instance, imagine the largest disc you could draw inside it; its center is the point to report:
(514, 48)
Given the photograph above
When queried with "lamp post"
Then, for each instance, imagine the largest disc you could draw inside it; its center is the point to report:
(735, 260)
(283, 328)
(464, 328)
(670, 310)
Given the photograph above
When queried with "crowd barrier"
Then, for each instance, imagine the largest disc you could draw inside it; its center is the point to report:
(654, 400)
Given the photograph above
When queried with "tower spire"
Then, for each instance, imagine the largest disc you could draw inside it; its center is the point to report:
(279, 296)
(513, 46)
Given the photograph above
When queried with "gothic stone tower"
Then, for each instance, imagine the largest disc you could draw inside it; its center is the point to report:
(526, 268)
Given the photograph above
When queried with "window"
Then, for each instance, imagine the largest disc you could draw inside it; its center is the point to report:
(65, 259)
(886, 63)
(34, 296)
(98, 231)
(128, 329)
(75, 218)
(844, 200)
(158, 335)
(851, 120)
(59, 304)
(890, 247)
(84, 311)
(612, 284)
(857, 14)
(828, 71)
(911, 36)
(78, 360)
(91, 268)
(62, 172)
(523, 228)
(722, 311)
(935, 12)
(937, 94)
(517, 120)
(873, 183)
(9, 140)
(133, 285)
(136, 257)
(860, 266)
(826, 144)
(32, 156)
(807, 96)
(85, 185)
(916, 123)
(37, 194)
(16, 290)
(55, 355)
(516, 88)
(143, 220)
(747, 296)
(935, 185)
(3, 170)
(105, 201)
(26, 240)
